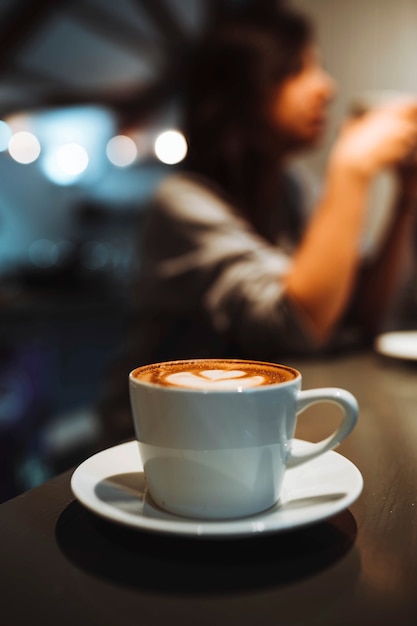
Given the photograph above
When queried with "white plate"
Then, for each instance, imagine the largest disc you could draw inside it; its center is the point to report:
(400, 344)
(111, 483)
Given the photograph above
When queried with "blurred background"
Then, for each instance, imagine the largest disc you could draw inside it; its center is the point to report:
(89, 124)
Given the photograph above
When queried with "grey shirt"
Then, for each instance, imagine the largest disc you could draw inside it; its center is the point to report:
(209, 284)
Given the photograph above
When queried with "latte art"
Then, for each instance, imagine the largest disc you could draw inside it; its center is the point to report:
(215, 374)
(215, 379)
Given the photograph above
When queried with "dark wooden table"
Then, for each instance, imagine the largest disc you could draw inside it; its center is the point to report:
(61, 564)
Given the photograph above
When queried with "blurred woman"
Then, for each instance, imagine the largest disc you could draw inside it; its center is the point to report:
(236, 261)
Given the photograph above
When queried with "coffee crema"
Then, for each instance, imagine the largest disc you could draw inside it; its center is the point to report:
(214, 374)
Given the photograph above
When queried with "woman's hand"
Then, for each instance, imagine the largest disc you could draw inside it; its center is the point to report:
(382, 138)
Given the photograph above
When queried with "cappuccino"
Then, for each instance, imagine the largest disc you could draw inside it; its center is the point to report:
(215, 435)
(215, 374)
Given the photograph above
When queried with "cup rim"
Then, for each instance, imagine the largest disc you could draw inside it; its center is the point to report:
(134, 380)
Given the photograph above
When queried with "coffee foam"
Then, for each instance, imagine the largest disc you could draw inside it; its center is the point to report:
(227, 374)
(215, 379)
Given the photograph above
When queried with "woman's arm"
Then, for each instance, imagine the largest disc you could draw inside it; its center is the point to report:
(324, 274)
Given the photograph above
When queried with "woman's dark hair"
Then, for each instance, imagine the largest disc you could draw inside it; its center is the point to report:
(233, 73)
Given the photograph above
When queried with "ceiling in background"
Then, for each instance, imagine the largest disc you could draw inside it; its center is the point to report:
(118, 54)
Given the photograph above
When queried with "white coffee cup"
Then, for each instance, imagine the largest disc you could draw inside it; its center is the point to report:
(221, 451)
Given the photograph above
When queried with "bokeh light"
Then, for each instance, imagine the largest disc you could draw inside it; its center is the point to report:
(121, 150)
(66, 164)
(171, 147)
(72, 159)
(24, 147)
(94, 255)
(43, 253)
(5, 135)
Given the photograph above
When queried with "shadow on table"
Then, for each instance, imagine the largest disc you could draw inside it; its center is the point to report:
(174, 564)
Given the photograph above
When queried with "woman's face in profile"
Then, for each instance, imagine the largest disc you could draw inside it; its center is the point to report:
(300, 104)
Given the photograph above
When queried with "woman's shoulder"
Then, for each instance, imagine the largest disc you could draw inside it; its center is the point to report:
(190, 196)
(187, 183)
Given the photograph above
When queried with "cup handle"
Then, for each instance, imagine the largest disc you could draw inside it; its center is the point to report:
(349, 405)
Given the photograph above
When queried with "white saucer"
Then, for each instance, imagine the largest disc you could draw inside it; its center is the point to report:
(111, 483)
(399, 344)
